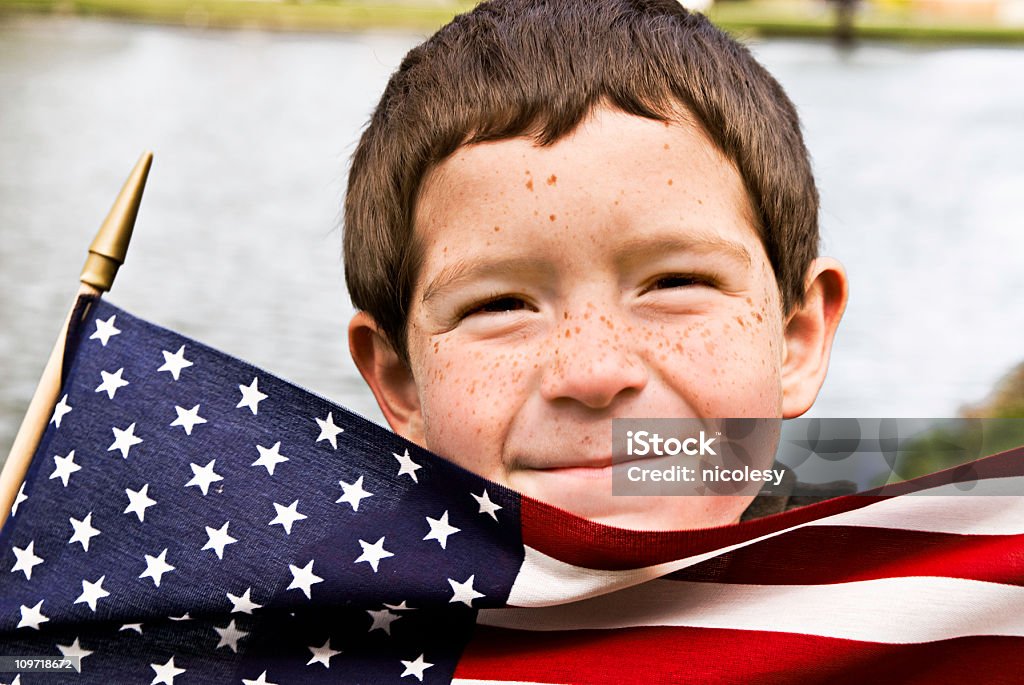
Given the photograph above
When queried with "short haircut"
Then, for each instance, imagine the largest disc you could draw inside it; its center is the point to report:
(537, 68)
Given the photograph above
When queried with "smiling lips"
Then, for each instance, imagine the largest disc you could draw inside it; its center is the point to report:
(594, 472)
(594, 467)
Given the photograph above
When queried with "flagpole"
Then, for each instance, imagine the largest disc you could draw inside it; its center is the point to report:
(106, 254)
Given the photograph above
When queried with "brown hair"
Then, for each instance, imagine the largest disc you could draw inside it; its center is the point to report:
(537, 67)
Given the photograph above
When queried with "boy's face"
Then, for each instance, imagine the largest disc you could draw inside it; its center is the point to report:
(616, 273)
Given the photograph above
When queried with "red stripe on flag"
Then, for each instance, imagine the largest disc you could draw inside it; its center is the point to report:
(710, 656)
(855, 553)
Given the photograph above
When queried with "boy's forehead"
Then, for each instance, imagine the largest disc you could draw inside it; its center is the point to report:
(605, 133)
(614, 167)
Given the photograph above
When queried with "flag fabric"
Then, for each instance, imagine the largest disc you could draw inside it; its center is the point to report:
(189, 518)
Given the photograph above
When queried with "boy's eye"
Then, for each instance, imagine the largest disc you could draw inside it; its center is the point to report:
(495, 305)
(677, 281)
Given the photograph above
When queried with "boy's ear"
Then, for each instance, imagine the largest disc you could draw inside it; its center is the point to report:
(809, 331)
(389, 377)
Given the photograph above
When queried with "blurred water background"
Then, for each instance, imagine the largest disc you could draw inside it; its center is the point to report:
(919, 154)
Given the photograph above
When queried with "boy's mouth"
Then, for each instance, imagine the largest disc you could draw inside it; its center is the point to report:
(595, 467)
(556, 462)
(594, 470)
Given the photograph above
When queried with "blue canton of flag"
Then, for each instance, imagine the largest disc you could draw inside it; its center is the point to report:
(189, 518)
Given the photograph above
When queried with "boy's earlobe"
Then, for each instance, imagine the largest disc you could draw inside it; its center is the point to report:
(808, 335)
(389, 377)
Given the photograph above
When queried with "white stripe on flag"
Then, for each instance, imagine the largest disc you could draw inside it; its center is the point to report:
(964, 514)
(889, 610)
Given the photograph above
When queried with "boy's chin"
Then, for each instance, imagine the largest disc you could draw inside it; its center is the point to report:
(595, 502)
(684, 512)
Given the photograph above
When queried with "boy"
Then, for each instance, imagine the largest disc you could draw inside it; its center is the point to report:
(567, 212)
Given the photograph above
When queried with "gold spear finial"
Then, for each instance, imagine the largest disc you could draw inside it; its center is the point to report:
(106, 254)
(108, 249)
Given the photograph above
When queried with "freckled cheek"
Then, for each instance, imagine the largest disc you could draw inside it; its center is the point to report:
(469, 401)
(725, 369)
(751, 372)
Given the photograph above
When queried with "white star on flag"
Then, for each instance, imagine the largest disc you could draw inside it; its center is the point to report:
(408, 466)
(60, 410)
(92, 592)
(416, 668)
(440, 530)
(286, 516)
(83, 531)
(203, 476)
(74, 650)
(329, 431)
(166, 673)
(156, 567)
(219, 538)
(382, 620)
(486, 505)
(372, 554)
(21, 497)
(137, 627)
(270, 457)
(464, 592)
(304, 579)
(112, 382)
(139, 501)
(229, 636)
(322, 654)
(31, 617)
(174, 363)
(401, 606)
(64, 467)
(124, 440)
(251, 396)
(242, 604)
(353, 493)
(26, 559)
(262, 680)
(188, 418)
(105, 330)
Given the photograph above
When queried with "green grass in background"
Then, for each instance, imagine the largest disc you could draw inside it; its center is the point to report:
(790, 18)
(354, 15)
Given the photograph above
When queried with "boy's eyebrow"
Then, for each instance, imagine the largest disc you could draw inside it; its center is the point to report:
(631, 251)
(637, 249)
(467, 269)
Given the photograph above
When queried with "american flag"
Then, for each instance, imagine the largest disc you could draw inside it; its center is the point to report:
(189, 518)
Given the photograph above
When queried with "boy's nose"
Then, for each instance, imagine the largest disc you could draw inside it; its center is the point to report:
(591, 369)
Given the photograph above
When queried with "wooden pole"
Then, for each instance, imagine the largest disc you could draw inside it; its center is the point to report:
(106, 254)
